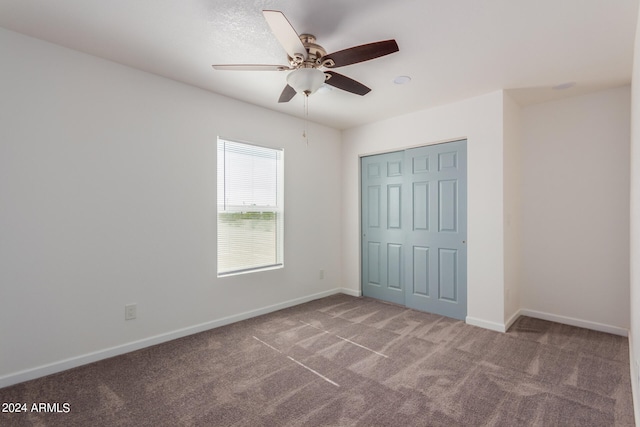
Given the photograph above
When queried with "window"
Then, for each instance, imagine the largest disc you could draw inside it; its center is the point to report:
(250, 207)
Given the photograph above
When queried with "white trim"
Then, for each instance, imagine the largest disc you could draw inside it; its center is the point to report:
(565, 320)
(587, 324)
(352, 292)
(486, 324)
(635, 381)
(512, 319)
(73, 362)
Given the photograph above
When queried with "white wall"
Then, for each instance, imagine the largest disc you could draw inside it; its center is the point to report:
(634, 332)
(107, 197)
(575, 197)
(479, 120)
(512, 209)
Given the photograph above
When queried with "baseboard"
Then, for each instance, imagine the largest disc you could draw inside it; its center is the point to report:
(73, 362)
(493, 326)
(512, 319)
(587, 324)
(635, 381)
(352, 292)
(498, 327)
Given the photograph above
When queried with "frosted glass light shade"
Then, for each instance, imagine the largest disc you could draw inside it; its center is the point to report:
(306, 80)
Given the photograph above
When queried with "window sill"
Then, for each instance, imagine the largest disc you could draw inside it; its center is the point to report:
(251, 270)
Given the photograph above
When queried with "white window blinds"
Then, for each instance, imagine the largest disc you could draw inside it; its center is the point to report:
(250, 207)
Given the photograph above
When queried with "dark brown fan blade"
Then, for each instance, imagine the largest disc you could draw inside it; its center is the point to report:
(287, 93)
(361, 53)
(346, 83)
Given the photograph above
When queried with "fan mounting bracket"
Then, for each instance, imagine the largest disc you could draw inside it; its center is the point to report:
(314, 51)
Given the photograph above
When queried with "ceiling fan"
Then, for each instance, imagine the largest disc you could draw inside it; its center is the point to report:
(306, 58)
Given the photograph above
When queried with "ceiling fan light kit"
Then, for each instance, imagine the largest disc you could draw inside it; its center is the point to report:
(306, 80)
(305, 59)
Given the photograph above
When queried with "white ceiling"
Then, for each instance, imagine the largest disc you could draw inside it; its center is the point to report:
(452, 49)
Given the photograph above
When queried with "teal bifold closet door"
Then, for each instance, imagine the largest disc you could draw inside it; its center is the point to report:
(414, 228)
(383, 228)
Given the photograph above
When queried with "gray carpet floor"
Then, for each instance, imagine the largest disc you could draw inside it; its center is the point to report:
(342, 361)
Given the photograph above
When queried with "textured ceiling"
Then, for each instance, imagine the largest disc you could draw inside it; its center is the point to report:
(452, 49)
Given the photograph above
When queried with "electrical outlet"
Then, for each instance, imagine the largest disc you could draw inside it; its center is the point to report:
(130, 311)
(321, 275)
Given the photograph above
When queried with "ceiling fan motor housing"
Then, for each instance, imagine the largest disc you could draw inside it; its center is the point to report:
(315, 52)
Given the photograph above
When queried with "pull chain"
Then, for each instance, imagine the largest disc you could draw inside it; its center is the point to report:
(306, 118)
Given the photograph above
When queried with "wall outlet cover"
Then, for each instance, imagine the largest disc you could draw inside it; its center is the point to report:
(130, 311)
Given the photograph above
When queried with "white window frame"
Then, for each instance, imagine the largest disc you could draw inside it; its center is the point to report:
(250, 207)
